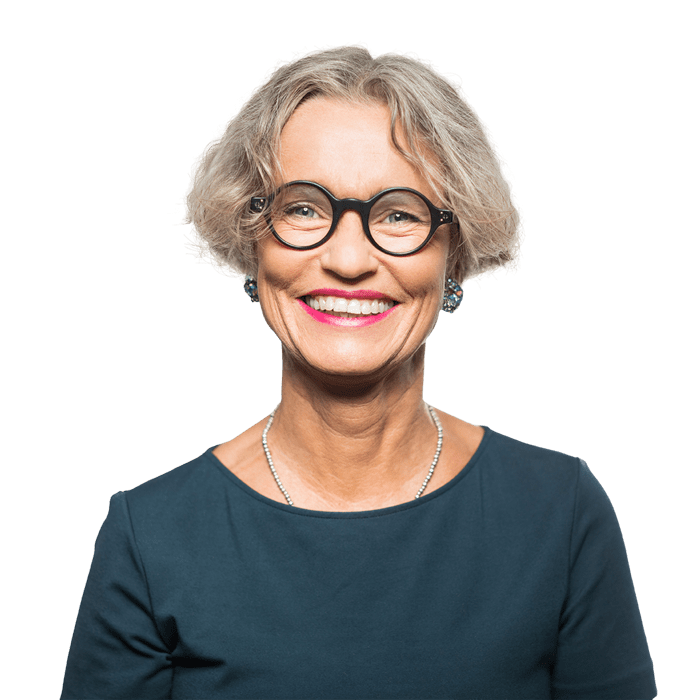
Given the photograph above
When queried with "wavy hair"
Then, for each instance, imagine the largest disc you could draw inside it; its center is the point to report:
(444, 140)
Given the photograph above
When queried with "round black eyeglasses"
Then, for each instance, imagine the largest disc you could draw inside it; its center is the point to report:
(398, 221)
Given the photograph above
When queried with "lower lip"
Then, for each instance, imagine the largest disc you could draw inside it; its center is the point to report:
(358, 322)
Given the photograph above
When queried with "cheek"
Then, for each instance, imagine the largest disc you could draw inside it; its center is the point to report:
(425, 278)
(278, 267)
(281, 278)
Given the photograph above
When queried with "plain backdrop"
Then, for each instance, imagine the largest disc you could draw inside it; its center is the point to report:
(126, 355)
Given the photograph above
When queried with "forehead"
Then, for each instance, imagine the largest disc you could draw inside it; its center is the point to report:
(347, 148)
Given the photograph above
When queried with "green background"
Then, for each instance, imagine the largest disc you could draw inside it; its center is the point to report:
(124, 359)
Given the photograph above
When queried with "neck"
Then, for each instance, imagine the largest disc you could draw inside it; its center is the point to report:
(352, 446)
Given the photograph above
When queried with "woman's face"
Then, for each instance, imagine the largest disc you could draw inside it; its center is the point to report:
(348, 150)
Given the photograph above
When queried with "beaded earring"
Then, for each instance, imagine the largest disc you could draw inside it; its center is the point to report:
(251, 288)
(453, 296)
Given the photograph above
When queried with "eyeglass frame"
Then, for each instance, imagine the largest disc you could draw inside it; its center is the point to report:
(362, 207)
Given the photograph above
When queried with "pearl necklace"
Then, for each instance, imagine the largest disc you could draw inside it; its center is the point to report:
(433, 415)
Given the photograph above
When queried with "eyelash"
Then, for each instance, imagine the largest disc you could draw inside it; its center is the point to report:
(298, 205)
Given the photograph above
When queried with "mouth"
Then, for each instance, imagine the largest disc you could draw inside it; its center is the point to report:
(353, 309)
(341, 307)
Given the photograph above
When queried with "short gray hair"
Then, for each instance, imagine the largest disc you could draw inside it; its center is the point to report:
(444, 138)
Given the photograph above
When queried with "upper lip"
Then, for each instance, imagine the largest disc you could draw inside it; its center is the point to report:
(356, 294)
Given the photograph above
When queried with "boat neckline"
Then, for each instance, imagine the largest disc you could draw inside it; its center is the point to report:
(352, 514)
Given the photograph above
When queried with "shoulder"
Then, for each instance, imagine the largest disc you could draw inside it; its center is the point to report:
(177, 494)
(523, 464)
(205, 478)
(526, 454)
(496, 455)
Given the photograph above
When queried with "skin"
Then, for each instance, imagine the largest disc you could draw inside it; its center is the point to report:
(352, 431)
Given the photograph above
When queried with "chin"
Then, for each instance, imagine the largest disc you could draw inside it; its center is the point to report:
(348, 369)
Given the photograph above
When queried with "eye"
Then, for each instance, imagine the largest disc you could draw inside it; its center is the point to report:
(301, 210)
(400, 217)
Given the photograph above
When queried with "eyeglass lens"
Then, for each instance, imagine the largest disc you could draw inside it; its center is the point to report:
(302, 215)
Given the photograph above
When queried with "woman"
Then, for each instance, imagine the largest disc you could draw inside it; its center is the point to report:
(358, 543)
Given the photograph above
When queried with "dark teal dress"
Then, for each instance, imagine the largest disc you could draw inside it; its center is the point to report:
(510, 581)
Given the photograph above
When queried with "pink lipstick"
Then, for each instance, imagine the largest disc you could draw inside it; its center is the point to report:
(358, 322)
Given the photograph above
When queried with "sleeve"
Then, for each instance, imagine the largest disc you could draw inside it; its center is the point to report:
(602, 651)
(117, 650)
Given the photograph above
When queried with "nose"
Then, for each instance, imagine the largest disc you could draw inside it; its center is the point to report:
(349, 253)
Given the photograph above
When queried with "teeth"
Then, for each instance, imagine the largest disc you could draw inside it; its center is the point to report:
(347, 308)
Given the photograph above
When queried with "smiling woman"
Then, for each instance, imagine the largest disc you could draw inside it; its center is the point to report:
(357, 542)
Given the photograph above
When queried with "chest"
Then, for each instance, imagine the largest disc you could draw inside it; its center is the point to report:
(364, 613)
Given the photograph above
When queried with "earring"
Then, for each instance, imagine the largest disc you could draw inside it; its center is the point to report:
(453, 296)
(251, 288)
